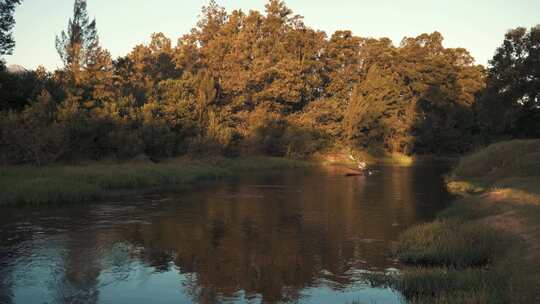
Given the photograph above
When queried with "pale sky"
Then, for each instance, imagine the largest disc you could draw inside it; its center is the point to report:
(477, 25)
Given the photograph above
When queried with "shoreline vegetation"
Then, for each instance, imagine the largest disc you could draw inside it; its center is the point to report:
(67, 184)
(92, 181)
(485, 248)
(263, 83)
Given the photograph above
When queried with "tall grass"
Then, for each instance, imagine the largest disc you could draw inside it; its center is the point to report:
(450, 285)
(449, 243)
(516, 158)
(484, 248)
(73, 184)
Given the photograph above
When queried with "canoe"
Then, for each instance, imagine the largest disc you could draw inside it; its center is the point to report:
(363, 173)
(355, 174)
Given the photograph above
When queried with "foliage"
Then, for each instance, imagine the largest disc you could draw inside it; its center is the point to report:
(7, 7)
(78, 45)
(261, 83)
(511, 103)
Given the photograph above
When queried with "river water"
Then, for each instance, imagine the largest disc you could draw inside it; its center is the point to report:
(293, 237)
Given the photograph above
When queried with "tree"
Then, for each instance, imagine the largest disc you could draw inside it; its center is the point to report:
(511, 103)
(78, 46)
(381, 112)
(206, 94)
(415, 98)
(212, 18)
(88, 67)
(444, 83)
(342, 64)
(140, 72)
(286, 59)
(266, 82)
(7, 8)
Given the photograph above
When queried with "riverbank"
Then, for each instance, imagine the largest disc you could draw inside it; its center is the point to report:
(485, 248)
(86, 183)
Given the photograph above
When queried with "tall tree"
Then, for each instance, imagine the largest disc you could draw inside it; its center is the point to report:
(139, 73)
(7, 8)
(342, 64)
(511, 103)
(381, 112)
(206, 94)
(78, 46)
(415, 98)
(286, 64)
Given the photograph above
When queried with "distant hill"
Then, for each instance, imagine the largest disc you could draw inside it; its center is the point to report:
(16, 69)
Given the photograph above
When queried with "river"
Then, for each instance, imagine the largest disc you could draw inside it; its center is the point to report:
(293, 237)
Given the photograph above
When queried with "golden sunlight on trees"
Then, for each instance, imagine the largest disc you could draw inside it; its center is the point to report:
(264, 82)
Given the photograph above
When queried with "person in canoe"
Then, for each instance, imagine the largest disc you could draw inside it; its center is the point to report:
(361, 168)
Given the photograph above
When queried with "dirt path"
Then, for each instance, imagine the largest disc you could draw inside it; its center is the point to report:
(518, 220)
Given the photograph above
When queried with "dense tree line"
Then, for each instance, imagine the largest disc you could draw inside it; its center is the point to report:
(265, 83)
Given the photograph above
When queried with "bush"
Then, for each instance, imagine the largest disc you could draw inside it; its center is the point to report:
(25, 141)
(159, 140)
(299, 142)
(125, 143)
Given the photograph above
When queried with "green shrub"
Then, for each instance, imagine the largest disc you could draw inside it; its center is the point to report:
(125, 143)
(159, 140)
(299, 142)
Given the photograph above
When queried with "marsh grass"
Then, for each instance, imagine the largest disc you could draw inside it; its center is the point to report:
(79, 184)
(464, 261)
(485, 248)
(516, 158)
(448, 285)
(449, 243)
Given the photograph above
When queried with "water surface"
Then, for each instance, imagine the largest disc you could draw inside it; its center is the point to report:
(300, 237)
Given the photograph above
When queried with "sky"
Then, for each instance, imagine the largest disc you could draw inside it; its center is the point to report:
(477, 25)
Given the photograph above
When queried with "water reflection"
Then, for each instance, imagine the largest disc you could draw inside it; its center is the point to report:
(291, 237)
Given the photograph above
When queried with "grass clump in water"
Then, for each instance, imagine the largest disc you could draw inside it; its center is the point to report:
(448, 243)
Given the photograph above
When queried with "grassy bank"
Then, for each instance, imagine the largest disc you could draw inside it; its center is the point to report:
(76, 184)
(485, 248)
